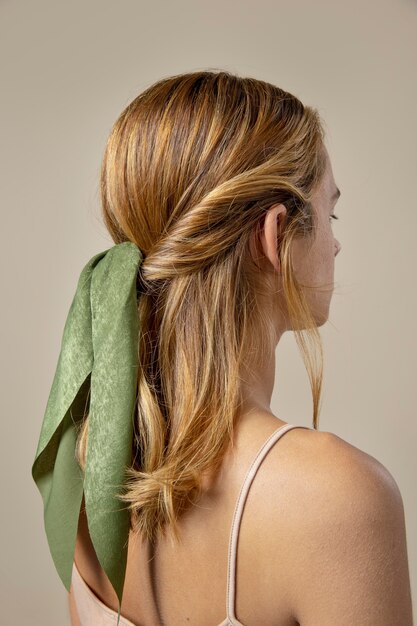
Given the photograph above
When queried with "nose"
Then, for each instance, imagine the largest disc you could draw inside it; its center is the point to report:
(338, 247)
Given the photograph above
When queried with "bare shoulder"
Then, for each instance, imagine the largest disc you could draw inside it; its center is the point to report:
(338, 464)
(331, 478)
(345, 540)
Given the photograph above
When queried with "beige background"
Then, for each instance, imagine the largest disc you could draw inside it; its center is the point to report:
(67, 71)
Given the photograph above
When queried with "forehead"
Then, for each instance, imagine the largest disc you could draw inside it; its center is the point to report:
(328, 184)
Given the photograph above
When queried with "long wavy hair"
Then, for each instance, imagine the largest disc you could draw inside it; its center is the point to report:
(190, 169)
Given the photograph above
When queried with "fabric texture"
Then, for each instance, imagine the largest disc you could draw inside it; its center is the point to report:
(96, 373)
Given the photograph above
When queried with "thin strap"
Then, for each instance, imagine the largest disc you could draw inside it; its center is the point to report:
(237, 516)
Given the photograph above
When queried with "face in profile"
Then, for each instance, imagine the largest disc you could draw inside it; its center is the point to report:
(312, 256)
(314, 261)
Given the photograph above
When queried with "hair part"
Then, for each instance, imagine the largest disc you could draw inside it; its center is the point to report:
(190, 169)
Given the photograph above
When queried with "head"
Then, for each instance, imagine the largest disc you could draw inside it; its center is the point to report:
(224, 183)
(312, 256)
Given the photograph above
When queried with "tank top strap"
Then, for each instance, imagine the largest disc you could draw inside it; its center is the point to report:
(237, 516)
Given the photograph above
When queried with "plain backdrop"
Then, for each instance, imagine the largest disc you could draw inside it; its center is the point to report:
(67, 70)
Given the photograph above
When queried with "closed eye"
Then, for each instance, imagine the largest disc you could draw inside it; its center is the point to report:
(335, 217)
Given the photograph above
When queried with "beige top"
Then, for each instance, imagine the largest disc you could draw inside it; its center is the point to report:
(93, 612)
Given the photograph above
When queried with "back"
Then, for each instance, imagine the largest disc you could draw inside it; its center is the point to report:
(195, 568)
(321, 542)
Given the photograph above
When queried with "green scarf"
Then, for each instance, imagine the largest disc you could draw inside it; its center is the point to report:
(98, 362)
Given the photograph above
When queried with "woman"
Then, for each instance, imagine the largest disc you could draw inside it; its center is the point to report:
(225, 186)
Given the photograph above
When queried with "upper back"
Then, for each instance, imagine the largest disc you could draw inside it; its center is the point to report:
(292, 508)
(187, 582)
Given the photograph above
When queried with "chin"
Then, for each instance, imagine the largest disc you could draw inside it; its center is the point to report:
(321, 316)
(320, 313)
(319, 320)
(322, 320)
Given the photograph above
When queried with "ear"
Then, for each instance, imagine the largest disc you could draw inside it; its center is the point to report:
(272, 225)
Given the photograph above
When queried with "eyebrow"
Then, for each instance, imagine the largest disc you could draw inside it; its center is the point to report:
(336, 194)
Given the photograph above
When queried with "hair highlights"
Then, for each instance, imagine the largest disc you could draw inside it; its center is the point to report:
(190, 168)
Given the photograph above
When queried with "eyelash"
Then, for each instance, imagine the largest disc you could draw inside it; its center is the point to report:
(335, 217)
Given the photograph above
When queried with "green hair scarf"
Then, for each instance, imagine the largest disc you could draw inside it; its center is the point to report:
(98, 363)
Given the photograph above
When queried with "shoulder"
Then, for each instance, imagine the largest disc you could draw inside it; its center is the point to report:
(351, 472)
(328, 474)
(325, 460)
(343, 530)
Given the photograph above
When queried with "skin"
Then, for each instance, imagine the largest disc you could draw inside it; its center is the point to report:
(353, 541)
(313, 264)
(334, 553)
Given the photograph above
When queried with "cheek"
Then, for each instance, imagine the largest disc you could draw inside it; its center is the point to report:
(322, 261)
(328, 241)
(314, 263)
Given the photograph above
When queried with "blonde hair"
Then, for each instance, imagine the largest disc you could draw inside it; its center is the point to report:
(190, 168)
